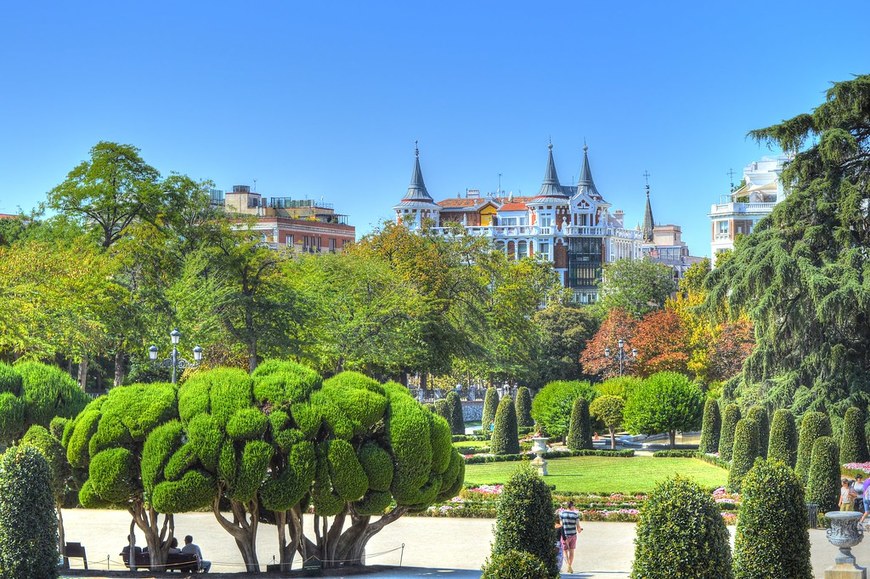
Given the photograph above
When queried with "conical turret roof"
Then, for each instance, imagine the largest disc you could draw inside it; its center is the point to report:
(417, 196)
(648, 221)
(551, 189)
(585, 184)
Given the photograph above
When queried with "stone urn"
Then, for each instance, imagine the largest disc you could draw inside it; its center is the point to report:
(844, 534)
(539, 447)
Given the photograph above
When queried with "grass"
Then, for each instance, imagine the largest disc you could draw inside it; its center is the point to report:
(471, 444)
(601, 474)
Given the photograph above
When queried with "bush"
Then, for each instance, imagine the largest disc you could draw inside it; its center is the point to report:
(490, 405)
(552, 405)
(666, 402)
(783, 438)
(823, 486)
(853, 443)
(524, 519)
(442, 409)
(711, 427)
(772, 538)
(726, 438)
(609, 410)
(681, 534)
(744, 454)
(759, 415)
(28, 526)
(514, 564)
(504, 435)
(580, 431)
(621, 386)
(675, 454)
(524, 408)
(456, 420)
(813, 425)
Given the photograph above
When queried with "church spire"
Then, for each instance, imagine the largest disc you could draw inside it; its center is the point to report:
(648, 221)
(551, 186)
(417, 189)
(585, 183)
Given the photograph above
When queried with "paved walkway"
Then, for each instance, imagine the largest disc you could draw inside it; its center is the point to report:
(454, 548)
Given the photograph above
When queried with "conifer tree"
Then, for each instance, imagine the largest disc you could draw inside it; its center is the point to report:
(823, 486)
(783, 438)
(524, 407)
(729, 423)
(580, 430)
(504, 435)
(853, 443)
(456, 419)
(813, 425)
(744, 454)
(711, 427)
(759, 415)
(490, 405)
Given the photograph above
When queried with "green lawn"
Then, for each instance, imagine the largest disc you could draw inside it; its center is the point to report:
(601, 474)
(471, 444)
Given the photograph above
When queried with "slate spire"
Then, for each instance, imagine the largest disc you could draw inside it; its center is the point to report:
(551, 186)
(417, 189)
(585, 183)
(648, 221)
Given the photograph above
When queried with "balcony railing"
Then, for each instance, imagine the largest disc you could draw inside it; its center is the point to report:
(502, 231)
(742, 208)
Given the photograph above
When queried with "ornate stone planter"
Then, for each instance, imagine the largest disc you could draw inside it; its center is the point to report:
(539, 447)
(845, 534)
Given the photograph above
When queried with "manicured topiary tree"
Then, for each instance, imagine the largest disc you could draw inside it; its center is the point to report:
(524, 407)
(666, 402)
(553, 404)
(580, 431)
(608, 409)
(759, 415)
(711, 427)
(504, 436)
(52, 451)
(744, 453)
(442, 409)
(813, 426)
(783, 438)
(621, 386)
(28, 525)
(772, 538)
(823, 486)
(514, 565)
(456, 420)
(524, 519)
(729, 424)
(490, 405)
(853, 443)
(681, 534)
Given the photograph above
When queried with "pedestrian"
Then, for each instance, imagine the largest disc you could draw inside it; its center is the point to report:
(858, 493)
(845, 496)
(191, 547)
(568, 517)
(866, 499)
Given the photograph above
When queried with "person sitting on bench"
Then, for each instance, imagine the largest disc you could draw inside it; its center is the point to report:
(191, 547)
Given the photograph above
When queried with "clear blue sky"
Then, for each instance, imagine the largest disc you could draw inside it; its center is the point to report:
(326, 99)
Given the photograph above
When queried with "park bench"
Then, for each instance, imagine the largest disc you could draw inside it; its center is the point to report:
(75, 550)
(184, 562)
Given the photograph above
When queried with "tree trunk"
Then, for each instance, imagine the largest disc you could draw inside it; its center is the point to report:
(252, 355)
(157, 536)
(119, 367)
(83, 372)
(339, 547)
(612, 439)
(672, 437)
(61, 536)
(243, 529)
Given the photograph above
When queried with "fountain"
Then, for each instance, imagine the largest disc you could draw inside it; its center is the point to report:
(845, 534)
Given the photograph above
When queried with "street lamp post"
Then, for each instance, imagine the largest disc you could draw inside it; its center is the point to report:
(174, 360)
(621, 355)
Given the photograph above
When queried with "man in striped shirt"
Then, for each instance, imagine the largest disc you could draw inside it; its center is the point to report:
(569, 517)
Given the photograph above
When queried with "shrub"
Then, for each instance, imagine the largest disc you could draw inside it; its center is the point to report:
(524, 407)
(609, 410)
(759, 415)
(726, 438)
(772, 538)
(490, 405)
(456, 420)
(783, 438)
(853, 443)
(681, 534)
(514, 564)
(666, 402)
(28, 526)
(711, 427)
(823, 486)
(744, 454)
(504, 435)
(442, 409)
(580, 431)
(813, 425)
(621, 386)
(552, 405)
(524, 519)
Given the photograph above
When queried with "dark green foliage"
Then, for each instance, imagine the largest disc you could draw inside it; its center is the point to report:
(823, 486)
(744, 453)
(11, 417)
(348, 477)
(514, 564)
(772, 538)
(729, 423)
(194, 490)
(524, 408)
(504, 436)
(48, 391)
(39, 438)
(681, 535)
(552, 405)
(57, 426)
(247, 424)
(490, 405)
(853, 442)
(406, 424)
(80, 432)
(666, 402)
(813, 425)
(580, 430)
(456, 420)
(524, 519)
(378, 466)
(783, 438)
(28, 525)
(442, 409)
(373, 503)
(711, 428)
(759, 416)
(281, 493)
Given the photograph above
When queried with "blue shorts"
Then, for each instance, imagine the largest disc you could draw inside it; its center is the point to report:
(866, 505)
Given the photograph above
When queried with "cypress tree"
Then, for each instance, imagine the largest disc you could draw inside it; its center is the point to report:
(853, 443)
(726, 438)
(711, 428)
(442, 409)
(524, 407)
(490, 405)
(580, 429)
(813, 425)
(783, 438)
(504, 436)
(823, 486)
(744, 454)
(456, 420)
(759, 415)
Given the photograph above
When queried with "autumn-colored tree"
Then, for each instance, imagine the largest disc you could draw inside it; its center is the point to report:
(662, 344)
(617, 326)
(732, 345)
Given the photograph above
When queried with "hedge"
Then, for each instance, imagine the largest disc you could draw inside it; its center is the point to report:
(580, 429)
(504, 435)
(813, 426)
(711, 427)
(783, 438)
(744, 454)
(524, 408)
(823, 484)
(729, 424)
(853, 442)
(675, 454)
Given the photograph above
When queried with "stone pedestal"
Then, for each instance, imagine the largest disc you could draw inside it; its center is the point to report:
(539, 447)
(845, 534)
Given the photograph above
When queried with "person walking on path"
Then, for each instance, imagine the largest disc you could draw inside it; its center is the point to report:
(845, 496)
(191, 547)
(569, 517)
(866, 499)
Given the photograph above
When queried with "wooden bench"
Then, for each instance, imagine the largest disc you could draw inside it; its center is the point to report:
(184, 562)
(74, 550)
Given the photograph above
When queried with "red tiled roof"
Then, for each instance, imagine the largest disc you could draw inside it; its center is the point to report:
(513, 206)
(459, 202)
(7, 216)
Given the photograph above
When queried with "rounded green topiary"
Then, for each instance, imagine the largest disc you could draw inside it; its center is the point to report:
(853, 443)
(505, 439)
(759, 415)
(443, 410)
(524, 407)
(813, 425)
(681, 535)
(772, 538)
(744, 453)
(823, 486)
(28, 525)
(729, 423)
(490, 405)
(524, 519)
(783, 438)
(711, 427)
(514, 565)
(456, 420)
(48, 391)
(580, 431)
(553, 404)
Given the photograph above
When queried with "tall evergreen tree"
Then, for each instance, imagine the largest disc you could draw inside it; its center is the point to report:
(456, 420)
(759, 415)
(853, 442)
(783, 438)
(711, 427)
(490, 405)
(744, 454)
(813, 426)
(823, 484)
(504, 435)
(729, 423)
(580, 430)
(524, 407)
